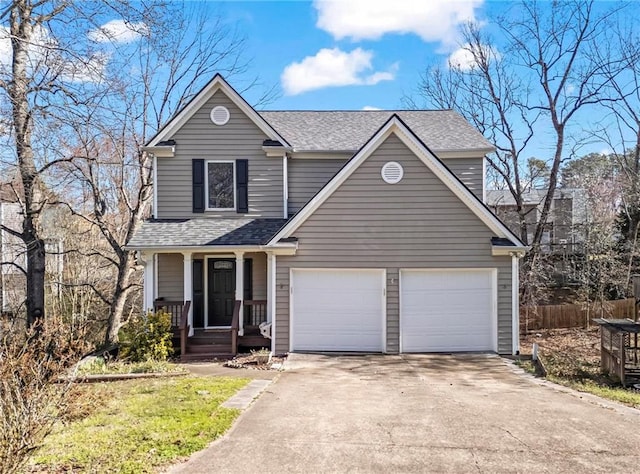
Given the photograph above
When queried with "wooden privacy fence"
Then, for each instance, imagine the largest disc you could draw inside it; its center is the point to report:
(573, 315)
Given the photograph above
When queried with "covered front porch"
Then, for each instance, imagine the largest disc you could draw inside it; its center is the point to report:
(220, 302)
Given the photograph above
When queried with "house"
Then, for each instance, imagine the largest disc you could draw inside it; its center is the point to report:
(13, 258)
(565, 229)
(336, 231)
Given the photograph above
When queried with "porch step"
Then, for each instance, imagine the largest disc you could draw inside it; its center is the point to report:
(206, 356)
(204, 348)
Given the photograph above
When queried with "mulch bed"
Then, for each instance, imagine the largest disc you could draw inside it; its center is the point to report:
(249, 361)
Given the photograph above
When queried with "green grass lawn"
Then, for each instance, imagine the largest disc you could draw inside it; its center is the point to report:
(138, 425)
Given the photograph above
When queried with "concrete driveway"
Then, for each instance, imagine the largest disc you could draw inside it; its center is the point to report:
(421, 413)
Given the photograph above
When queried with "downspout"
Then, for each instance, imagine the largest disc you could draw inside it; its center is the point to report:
(515, 302)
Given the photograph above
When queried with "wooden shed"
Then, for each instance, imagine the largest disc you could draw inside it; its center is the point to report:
(619, 351)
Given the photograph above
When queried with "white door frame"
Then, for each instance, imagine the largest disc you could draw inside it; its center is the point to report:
(383, 296)
(494, 296)
(225, 256)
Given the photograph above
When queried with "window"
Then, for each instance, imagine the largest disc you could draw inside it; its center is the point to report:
(221, 185)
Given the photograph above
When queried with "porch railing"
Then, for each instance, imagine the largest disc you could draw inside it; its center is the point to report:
(174, 308)
(255, 312)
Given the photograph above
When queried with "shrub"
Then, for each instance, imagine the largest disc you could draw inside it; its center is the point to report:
(147, 337)
(33, 389)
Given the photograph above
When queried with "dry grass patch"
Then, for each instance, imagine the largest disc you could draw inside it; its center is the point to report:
(572, 358)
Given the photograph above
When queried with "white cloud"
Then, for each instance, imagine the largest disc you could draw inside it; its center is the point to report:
(464, 58)
(118, 31)
(43, 53)
(370, 107)
(431, 20)
(332, 68)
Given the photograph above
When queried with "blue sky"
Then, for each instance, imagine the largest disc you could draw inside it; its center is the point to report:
(357, 54)
(293, 42)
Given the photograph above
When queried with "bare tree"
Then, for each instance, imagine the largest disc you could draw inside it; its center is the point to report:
(558, 44)
(111, 175)
(493, 97)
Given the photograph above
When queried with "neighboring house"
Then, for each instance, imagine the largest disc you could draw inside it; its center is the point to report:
(564, 232)
(13, 258)
(354, 231)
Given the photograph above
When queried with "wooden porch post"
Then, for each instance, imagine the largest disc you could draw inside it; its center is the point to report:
(148, 260)
(240, 288)
(188, 287)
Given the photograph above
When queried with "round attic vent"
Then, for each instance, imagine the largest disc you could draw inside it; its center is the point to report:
(392, 172)
(219, 115)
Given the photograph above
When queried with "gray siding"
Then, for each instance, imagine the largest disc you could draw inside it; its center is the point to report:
(240, 138)
(307, 177)
(417, 223)
(469, 171)
(259, 275)
(170, 276)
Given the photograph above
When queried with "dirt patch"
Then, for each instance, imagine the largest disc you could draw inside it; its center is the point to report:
(569, 353)
(254, 361)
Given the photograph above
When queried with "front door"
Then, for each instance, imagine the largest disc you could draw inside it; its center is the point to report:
(221, 291)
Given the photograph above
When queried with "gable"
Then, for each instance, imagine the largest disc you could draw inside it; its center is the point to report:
(200, 139)
(419, 216)
(201, 98)
(397, 128)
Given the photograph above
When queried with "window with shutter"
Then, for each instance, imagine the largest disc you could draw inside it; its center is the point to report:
(224, 186)
(221, 185)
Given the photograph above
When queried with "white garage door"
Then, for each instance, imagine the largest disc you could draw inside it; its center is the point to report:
(447, 311)
(337, 310)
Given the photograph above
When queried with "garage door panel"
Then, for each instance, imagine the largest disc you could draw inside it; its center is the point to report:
(337, 310)
(446, 311)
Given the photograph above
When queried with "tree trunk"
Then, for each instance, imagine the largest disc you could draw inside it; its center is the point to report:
(120, 294)
(21, 37)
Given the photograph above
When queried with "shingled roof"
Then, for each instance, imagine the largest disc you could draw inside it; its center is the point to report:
(201, 232)
(440, 130)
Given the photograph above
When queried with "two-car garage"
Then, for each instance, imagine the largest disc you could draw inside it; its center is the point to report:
(439, 310)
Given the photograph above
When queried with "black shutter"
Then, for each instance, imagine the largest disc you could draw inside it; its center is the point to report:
(198, 185)
(242, 185)
(198, 294)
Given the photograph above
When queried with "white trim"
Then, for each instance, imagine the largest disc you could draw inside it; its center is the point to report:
(216, 84)
(285, 187)
(187, 292)
(494, 297)
(205, 271)
(515, 304)
(155, 186)
(155, 275)
(163, 151)
(383, 295)
(284, 248)
(394, 125)
(240, 288)
(206, 185)
(271, 297)
(148, 286)
(507, 250)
